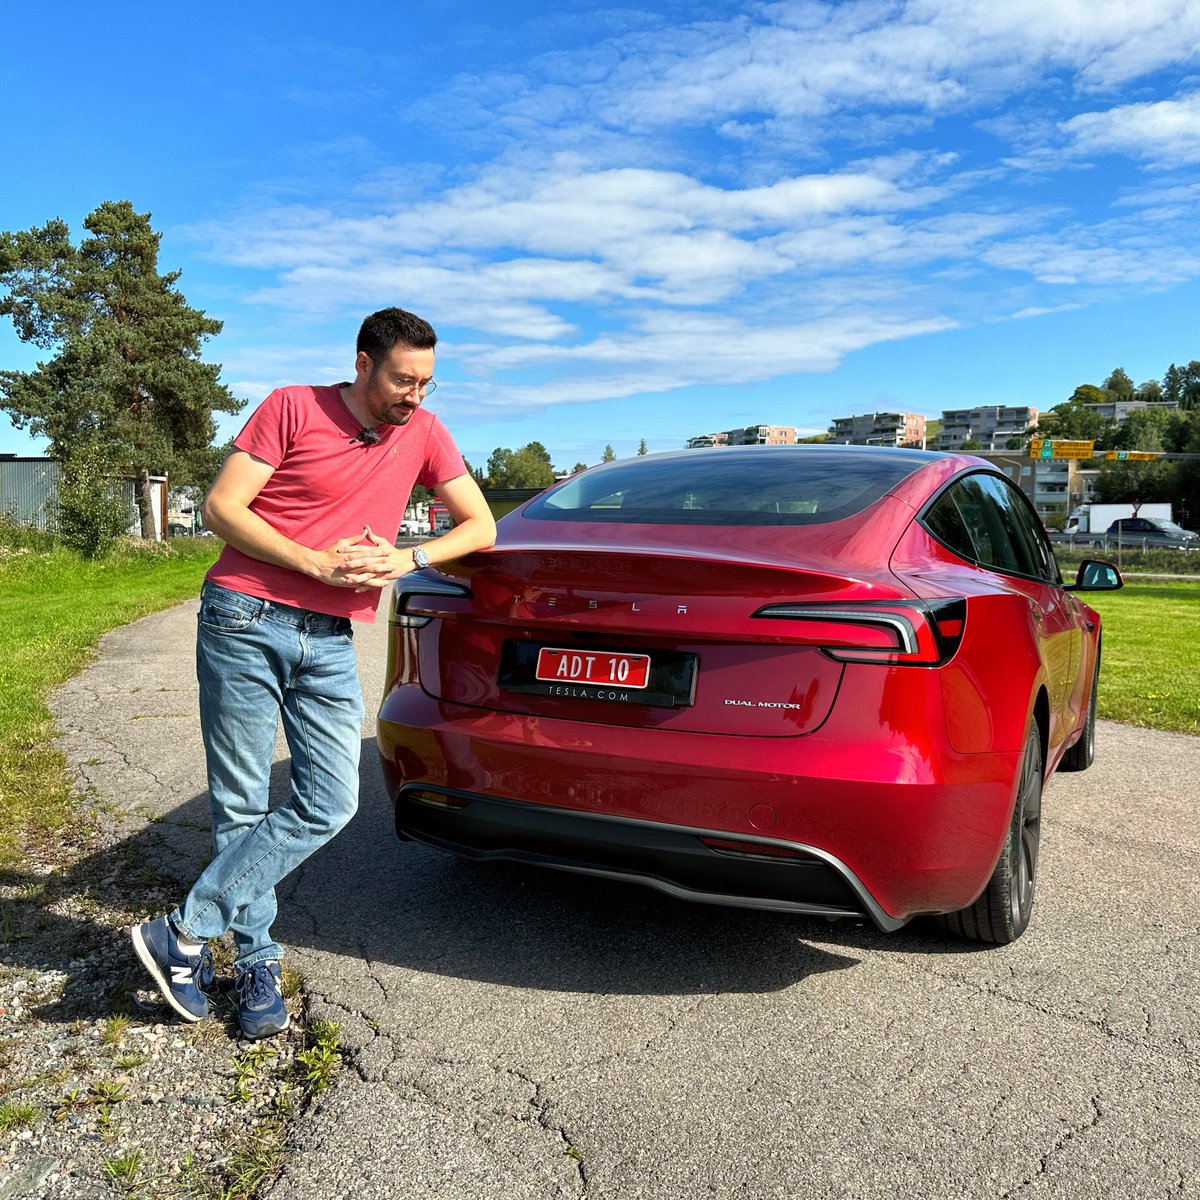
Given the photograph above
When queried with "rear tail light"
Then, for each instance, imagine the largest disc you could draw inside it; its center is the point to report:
(923, 633)
(415, 598)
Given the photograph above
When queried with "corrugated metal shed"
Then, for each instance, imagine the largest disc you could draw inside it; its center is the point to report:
(27, 489)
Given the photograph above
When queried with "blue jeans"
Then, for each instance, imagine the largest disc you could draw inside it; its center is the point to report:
(256, 660)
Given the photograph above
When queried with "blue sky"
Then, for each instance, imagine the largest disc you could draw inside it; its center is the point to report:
(650, 221)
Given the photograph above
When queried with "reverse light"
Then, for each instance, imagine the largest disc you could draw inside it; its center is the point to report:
(753, 849)
(437, 799)
(902, 633)
(420, 592)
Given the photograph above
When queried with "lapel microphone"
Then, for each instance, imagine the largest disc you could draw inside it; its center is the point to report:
(368, 437)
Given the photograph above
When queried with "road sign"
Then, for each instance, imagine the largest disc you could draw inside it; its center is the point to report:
(1046, 448)
(1131, 456)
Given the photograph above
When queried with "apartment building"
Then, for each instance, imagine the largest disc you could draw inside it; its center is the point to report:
(990, 426)
(752, 435)
(1119, 410)
(880, 429)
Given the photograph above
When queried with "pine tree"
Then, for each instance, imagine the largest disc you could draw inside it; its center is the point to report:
(125, 388)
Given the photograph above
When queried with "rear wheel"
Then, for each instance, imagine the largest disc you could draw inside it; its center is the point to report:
(1083, 753)
(1001, 913)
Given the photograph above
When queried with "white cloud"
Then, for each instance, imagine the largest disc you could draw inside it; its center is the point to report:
(1165, 131)
(780, 67)
(718, 226)
(1025, 314)
(1098, 257)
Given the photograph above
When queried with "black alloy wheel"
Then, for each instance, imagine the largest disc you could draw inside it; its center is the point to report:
(1083, 753)
(1002, 912)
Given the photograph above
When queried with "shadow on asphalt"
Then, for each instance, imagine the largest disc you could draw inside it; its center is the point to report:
(368, 894)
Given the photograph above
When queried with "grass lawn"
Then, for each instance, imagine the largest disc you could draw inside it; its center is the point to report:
(1150, 671)
(54, 607)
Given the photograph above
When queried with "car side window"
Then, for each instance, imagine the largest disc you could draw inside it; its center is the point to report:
(980, 520)
(1029, 526)
(965, 517)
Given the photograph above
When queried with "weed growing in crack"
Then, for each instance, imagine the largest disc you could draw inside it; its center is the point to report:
(290, 982)
(18, 1116)
(323, 1058)
(284, 1104)
(107, 1091)
(245, 1069)
(114, 1030)
(70, 1101)
(124, 1169)
(253, 1162)
(104, 1122)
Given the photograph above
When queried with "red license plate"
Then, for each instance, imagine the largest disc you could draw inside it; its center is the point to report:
(603, 668)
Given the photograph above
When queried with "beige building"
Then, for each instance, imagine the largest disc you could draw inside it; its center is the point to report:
(880, 429)
(752, 435)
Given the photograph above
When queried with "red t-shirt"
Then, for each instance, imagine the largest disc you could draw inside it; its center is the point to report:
(327, 486)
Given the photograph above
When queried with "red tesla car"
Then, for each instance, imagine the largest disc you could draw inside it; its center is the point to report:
(825, 679)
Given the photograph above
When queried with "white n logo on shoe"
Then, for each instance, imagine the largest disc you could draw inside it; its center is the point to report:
(181, 975)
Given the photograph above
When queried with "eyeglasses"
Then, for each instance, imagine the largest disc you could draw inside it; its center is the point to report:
(406, 385)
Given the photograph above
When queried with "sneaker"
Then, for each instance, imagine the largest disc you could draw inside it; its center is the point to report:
(261, 1011)
(180, 977)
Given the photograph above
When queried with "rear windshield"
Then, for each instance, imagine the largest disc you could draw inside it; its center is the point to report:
(794, 486)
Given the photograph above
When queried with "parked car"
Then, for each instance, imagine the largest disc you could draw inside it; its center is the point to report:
(831, 680)
(1147, 533)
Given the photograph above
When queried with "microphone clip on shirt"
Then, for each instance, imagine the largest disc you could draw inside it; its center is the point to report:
(368, 436)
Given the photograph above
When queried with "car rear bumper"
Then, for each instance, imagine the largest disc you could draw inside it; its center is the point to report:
(673, 859)
(894, 821)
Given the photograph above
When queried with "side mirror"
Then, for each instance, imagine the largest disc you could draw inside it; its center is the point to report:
(1095, 575)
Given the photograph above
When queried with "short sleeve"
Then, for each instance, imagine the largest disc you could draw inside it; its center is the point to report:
(443, 462)
(269, 431)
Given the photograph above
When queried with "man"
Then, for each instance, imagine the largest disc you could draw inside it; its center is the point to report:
(308, 503)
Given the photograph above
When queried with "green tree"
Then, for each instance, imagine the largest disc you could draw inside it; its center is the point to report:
(125, 379)
(532, 467)
(91, 504)
(1075, 420)
(608, 455)
(1187, 471)
(1182, 385)
(1144, 429)
(528, 467)
(1118, 385)
(1136, 483)
(499, 467)
(642, 447)
(578, 467)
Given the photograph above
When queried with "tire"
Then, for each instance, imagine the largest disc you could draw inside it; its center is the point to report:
(1001, 914)
(1083, 753)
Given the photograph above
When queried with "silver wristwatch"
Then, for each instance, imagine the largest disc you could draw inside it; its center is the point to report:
(420, 558)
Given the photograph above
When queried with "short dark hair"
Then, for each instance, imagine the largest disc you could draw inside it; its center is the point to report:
(391, 327)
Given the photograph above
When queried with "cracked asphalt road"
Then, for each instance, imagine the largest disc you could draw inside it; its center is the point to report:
(532, 1034)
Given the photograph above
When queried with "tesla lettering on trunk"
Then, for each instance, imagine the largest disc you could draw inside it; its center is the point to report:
(555, 665)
